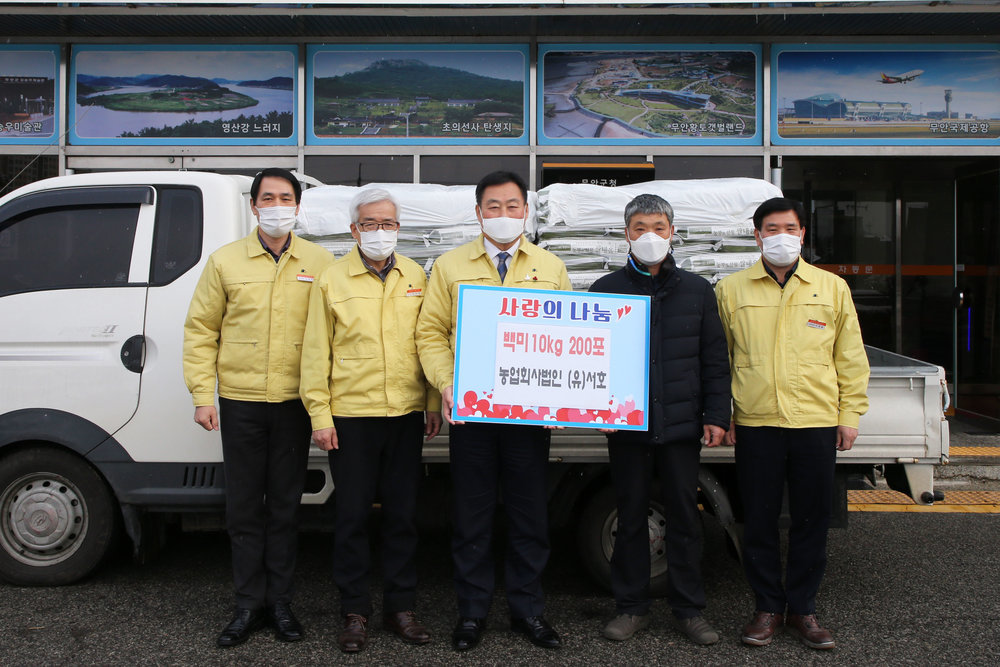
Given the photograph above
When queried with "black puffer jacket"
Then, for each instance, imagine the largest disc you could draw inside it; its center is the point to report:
(688, 355)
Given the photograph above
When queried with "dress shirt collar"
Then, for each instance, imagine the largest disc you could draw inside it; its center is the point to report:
(385, 269)
(270, 252)
(493, 251)
(788, 276)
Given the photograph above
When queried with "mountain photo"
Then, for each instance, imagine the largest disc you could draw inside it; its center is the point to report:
(418, 94)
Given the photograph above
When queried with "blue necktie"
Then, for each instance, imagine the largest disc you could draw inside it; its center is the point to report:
(502, 264)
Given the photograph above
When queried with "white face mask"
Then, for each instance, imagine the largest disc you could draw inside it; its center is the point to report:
(377, 245)
(781, 249)
(276, 221)
(650, 248)
(503, 230)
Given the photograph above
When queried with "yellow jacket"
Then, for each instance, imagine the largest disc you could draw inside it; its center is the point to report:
(359, 353)
(531, 267)
(246, 320)
(796, 354)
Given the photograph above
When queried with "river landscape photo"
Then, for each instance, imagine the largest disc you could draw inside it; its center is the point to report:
(189, 94)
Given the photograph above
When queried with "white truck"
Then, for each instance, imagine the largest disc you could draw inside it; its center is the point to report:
(96, 430)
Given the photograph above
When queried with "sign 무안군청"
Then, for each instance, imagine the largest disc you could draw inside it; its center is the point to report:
(551, 358)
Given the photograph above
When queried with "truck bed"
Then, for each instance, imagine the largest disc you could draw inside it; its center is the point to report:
(904, 424)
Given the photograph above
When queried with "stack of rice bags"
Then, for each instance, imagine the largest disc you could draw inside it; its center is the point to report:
(433, 218)
(713, 230)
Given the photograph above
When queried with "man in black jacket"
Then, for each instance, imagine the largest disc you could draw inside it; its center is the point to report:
(689, 404)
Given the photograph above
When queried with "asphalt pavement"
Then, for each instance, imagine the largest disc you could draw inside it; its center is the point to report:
(900, 589)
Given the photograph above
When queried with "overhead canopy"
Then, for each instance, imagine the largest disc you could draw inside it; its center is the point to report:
(333, 20)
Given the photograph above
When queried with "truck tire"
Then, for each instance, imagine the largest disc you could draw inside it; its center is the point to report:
(596, 540)
(57, 519)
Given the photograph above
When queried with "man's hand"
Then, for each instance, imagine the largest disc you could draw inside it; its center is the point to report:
(730, 438)
(207, 417)
(432, 424)
(447, 402)
(713, 435)
(846, 435)
(326, 438)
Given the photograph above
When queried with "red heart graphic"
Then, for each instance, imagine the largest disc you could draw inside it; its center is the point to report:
(622, 312)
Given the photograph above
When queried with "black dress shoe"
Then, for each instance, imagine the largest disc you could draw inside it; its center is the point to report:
(245, 622)
(467, 633)
(286, 627)
(537, 630)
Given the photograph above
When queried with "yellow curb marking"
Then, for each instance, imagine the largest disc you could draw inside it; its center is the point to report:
(939, 508)
(965, 502)
(973, 451)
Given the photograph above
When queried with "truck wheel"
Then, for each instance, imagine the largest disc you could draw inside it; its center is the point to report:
(56, 518)
(596, 540)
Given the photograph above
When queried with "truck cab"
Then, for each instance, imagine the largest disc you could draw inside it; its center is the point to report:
(96, 274)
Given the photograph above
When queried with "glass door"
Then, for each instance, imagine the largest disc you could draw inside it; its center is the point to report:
(852, 233)
(925, 269)
(887, 227)
(977, 290)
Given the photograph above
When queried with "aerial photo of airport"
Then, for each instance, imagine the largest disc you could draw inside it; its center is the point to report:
(649, 94)
(420, 94)
(865, 95)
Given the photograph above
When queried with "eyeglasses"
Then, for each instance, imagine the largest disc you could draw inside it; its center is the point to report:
(371, 226)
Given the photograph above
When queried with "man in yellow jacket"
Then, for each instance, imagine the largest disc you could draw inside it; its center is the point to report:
(244, 332)
(488, 457)
(800, 377)
(366, 396)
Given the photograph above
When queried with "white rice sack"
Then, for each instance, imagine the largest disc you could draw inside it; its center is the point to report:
(433, 211)
(733, 261)
(714, 202)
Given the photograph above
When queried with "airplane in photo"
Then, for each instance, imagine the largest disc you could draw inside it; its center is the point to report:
(901, 78)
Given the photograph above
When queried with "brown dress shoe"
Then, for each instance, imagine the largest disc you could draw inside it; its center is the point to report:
(760, 631)
(406, 626)
(807, 629)
(354, 637)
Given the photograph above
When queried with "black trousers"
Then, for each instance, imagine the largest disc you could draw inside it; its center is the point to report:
(265, 449)
(632, 467)
(766, 459)
(513, 459)
(376, 455)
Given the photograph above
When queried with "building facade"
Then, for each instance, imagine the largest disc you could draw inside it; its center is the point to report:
(883, 117)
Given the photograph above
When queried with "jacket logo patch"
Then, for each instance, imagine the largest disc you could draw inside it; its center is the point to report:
(416, 291)
(304, 278)
(622, 312)
(816, 324)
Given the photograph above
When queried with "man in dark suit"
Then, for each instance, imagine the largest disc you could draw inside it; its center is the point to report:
(487, 458)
